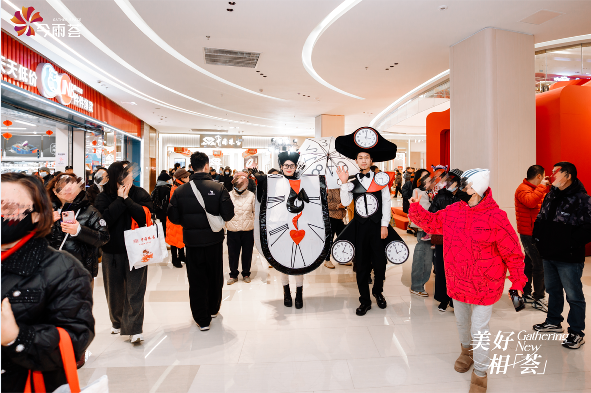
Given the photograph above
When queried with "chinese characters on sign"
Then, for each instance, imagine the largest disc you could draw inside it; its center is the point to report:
(526, 357)
(69, 28)
(216, 141)
(18, 72)
(49, 83)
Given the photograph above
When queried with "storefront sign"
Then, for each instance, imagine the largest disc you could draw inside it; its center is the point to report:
(251, 162)
(179, 149)
(226, 141)
(218, 153)
(49, 83)
(249, 152)
(182, 150)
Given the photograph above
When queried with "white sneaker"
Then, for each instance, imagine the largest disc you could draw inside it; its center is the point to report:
(213, 316)
(136, 338)
(203, 328)
(115, 331)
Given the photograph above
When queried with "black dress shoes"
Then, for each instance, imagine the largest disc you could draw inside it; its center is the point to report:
(363, 309)
(380, 300)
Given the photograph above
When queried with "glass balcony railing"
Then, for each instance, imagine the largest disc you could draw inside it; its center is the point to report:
(422, 102)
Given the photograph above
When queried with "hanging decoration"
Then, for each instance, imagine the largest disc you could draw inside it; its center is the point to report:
(7, 135)
(7, 123)
(49, 132)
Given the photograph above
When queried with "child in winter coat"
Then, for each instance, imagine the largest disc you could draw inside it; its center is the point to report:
(241, 228)
(479, 246)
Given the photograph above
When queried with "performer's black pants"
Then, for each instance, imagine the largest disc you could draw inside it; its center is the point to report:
(206, 279)
(369, 252)
(336, 226)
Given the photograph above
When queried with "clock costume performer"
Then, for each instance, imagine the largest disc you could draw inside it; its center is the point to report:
(368, 238)
(292, 223)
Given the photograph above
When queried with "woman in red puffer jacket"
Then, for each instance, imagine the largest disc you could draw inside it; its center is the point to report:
(479, 246)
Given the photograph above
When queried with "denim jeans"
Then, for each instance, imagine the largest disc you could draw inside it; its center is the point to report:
(422, 263)
(565, 276)
(534, 269)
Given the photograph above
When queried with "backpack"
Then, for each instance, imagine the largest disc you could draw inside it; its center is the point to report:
(160, 198)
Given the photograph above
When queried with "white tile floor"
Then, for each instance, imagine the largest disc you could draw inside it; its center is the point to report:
(258, 345)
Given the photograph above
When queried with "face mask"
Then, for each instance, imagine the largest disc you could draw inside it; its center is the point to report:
(239, 191)
(227, 173)
(13, 231)
(43, 174)
(452, 189)
(463, 196)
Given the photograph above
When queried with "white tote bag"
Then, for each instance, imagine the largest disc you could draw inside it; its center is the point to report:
(216, 223)
(145, 246)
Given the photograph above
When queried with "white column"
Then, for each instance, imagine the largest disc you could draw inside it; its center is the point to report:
(78, 152)
(493, 123)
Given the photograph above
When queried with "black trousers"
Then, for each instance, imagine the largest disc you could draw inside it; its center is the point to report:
(240, 240)
(398, 190)
(440, 283)
(178, 254)
(336, 226)
(206, 279)
(534, 269)
(369, 253)
(125, 291)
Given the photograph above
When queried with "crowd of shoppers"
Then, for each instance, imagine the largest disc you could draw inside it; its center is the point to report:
(59, 228)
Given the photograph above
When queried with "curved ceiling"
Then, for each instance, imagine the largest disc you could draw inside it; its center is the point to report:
(354, 54)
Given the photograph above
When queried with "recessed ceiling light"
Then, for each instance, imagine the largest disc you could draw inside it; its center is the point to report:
(232, 2)
(391, 66)
(264, 76)
(24, 122)
(395, 63)
(229, 9)
(442, 7)
(257, 71)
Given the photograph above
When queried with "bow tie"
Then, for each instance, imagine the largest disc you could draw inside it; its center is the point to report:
(361, 175)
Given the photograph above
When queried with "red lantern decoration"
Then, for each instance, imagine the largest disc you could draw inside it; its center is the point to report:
(7, 135)
(7, 123)
(94, 150)
(49, 132)
(94, 143)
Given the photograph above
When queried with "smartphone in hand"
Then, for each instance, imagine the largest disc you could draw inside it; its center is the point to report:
(68, 217)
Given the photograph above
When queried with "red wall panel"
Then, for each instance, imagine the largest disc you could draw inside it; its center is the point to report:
(437, 123)
(104, 109)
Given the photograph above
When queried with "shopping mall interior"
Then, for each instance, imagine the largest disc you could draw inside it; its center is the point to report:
(500, 85)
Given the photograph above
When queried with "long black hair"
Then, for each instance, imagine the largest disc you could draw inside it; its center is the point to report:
(418, 175)
(117, 172)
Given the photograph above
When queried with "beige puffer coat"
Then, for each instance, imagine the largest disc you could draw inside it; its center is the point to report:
(243, 211)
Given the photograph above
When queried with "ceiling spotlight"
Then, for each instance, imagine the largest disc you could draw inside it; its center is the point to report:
(264, 76)
(442, 7)
(387, 69)
(207, 36)
(229, 9)
(257, 71)
(232, 2)
(391, 66)
(395, 63)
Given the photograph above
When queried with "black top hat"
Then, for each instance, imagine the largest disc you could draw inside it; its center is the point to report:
(288, 156)
(366, 140)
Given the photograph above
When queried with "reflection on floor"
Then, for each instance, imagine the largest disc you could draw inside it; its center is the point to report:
(258, 345)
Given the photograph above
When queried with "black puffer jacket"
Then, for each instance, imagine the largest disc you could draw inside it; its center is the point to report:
(185, 210)
(227, 181)
(563, 226)
(94, 233)
(160, 197)
(46, 288)
(118, 213)
(443, 199)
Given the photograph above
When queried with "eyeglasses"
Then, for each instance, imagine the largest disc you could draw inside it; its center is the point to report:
(289, 166)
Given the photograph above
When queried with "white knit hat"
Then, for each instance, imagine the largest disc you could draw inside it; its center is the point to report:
(478, 179)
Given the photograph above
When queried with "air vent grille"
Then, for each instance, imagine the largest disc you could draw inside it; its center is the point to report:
(226, 57)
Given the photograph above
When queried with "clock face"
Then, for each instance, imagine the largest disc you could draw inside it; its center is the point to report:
(397, 252)
(366, 138)
(381, 178)
(372, 205)
(343, 251)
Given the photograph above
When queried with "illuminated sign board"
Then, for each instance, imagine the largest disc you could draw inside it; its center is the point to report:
(217, 141)
(49, 83)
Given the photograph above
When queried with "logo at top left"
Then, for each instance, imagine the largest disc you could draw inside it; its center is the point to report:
(25, 19)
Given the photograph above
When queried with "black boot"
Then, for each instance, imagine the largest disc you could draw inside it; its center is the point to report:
(286, 296)
(182, 257)
(175, 259)
(299, 301)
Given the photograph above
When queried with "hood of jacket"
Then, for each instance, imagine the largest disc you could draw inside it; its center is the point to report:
(161, 183)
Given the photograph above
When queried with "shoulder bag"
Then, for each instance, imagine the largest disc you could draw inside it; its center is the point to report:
(216, 223)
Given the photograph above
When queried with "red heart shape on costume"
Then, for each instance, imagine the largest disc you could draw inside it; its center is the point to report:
(297, 236)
